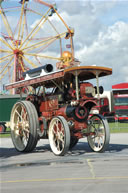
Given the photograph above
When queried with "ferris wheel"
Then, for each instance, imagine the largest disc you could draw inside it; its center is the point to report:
(32, 34)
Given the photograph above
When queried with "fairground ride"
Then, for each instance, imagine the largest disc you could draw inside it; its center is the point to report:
(32, 34)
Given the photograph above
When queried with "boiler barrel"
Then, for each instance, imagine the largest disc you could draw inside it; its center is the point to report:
(37, 71)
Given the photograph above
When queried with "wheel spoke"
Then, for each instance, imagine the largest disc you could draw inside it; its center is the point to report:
(5, 57)
(24, 123)
(58, 145)
(6, 23)
(41, 49)
(6, 71)
(5, 51)
(29, 61)
(6, 65)
(98, 141)
(38, 24)
(19, 36)
(39, 27)
(19, 116)
(6, 43)
(42, 56)
(43, 42)
(20, 21)
(59, 135)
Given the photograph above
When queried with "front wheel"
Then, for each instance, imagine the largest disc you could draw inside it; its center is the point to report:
(24, 125)
(99, 136)
(59, 135)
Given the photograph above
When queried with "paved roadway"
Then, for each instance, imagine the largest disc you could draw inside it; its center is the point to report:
(80, 171)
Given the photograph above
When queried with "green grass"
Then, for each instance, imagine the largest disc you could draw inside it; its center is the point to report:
(7, 134)
(117, 127)
(114, 128)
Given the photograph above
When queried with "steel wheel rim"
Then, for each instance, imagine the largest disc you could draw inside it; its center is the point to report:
(20, 126)
(57, 136)
(97, 140)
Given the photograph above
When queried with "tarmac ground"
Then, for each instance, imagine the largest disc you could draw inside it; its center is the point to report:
(79, 171)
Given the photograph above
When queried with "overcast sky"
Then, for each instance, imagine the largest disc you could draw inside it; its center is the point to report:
(101, 34)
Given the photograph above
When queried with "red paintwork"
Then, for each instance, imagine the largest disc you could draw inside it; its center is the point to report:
(80, 126)
(49, 105)
(63, 100)
(61, 112)
(117, 95)
(47, 114)
(120, 86)
(1, 128)
(36, 80)
(120, 91)
(16, 51)
(83, 89)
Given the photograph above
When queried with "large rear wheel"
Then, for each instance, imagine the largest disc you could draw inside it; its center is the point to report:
(99, 137)
(24, 125)
(59, 135)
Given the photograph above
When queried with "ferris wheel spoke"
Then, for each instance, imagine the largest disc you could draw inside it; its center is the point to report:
(53, 26)
(26, 25)
(39, 45)
(29, 61)
(36, 31)
(33, 11)
(41, 49)
(4, 60)
(4, 74)
(44, 3)
(44, 42)
(1, 50)
(5, 71)
(20, 22)
(42, 56)
(16, 28)
(6, 23)
(9, 9)
(29, 35)
(6, 43)
(22, 33)
(52, 7)
(57, 33)
(6, 65)
(4, 57)
(62, 20)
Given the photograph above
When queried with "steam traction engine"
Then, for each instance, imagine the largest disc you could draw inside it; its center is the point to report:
(59, 110)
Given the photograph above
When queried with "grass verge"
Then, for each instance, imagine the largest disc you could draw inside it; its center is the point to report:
(115, 127)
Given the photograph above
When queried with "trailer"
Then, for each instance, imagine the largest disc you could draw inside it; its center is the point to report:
(114, 104)
(120, 97)
(6, 103)
(105, 106)
(59, 110)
